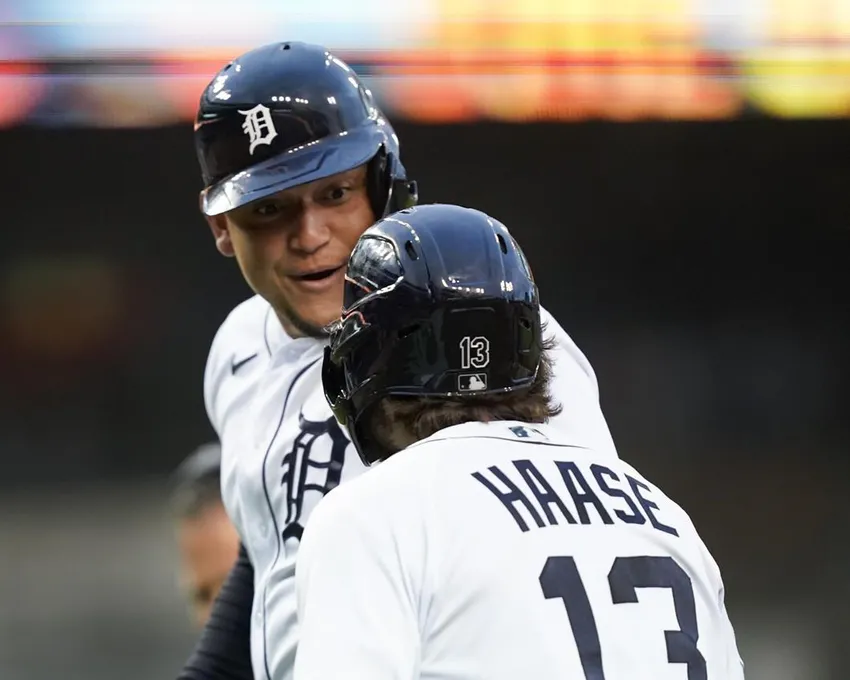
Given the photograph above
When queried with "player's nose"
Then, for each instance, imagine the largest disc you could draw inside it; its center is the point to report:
(311, 232)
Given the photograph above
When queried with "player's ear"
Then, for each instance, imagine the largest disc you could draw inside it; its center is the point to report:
(221, 233)
(219, 227)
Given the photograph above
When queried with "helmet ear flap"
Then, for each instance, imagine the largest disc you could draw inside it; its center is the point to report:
(348, 334)
(335, 389)
(405, 194)
(388, 192)
(379, 179)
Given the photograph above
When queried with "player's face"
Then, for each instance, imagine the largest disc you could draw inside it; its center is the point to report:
(293, 247)
(209, 546)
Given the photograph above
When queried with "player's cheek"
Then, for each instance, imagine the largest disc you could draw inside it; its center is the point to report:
(361, 221)
(263, 259)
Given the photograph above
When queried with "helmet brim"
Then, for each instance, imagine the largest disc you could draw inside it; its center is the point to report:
(317, 160)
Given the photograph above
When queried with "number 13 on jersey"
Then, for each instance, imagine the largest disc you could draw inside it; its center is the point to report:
(560, 579)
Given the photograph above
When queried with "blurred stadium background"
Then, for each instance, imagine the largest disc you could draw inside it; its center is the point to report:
(677, 171)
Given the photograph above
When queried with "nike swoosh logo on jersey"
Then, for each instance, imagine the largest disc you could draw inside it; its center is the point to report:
(236, 365)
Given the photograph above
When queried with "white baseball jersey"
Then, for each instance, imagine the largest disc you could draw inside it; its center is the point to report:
(282, 451)
(504, 551)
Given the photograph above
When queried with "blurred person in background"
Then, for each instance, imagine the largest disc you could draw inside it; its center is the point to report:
(207, 541)
(297, 162)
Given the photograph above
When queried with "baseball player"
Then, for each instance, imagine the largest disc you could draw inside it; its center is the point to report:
(207, 542)
(297, 162)
(489, 543)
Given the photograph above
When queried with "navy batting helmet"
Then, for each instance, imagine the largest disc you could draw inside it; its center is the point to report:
(439, 302)
(290, 113)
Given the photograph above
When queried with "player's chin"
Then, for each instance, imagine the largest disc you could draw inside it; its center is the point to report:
(313, 315)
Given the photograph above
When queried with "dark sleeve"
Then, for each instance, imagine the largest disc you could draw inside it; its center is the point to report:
(224, 649)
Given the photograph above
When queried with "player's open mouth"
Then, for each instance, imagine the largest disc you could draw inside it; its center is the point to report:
(319, 280)
(319, 275)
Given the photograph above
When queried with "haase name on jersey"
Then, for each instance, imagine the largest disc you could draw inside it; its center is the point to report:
(549, 504)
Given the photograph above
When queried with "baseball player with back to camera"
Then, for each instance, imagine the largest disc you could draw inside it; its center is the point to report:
(297, 162)
(489, 544)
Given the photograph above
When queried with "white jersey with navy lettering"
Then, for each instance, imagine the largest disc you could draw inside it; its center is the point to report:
(506, 551)
(282, 451)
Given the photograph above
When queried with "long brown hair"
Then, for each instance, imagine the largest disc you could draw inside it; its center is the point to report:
(398, 422)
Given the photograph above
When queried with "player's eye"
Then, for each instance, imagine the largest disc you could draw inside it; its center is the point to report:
(337, 194)
(267, 209)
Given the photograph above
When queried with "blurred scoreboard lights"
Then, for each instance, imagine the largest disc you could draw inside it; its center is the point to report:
(550, 59)
(627, 59)
(99, 62)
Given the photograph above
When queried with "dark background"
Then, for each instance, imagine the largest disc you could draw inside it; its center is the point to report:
(700, 266)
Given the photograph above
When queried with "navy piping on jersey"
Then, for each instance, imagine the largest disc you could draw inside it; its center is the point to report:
(271, 509)
(266, 331)
(506, 439)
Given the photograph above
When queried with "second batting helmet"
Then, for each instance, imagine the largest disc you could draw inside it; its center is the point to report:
(439, 302)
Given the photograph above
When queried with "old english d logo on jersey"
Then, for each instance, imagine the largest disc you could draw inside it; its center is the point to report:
(313, 465)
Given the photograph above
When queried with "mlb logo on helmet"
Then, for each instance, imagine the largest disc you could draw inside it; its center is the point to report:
(472, 382)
